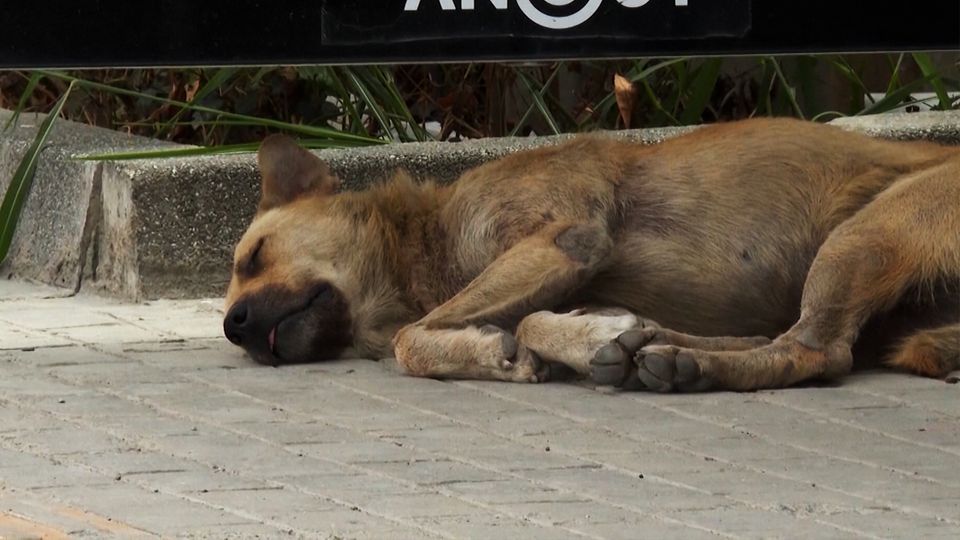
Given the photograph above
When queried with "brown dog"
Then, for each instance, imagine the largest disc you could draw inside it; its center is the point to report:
(816, 238)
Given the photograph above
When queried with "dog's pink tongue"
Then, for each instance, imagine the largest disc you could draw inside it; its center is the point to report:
(272, 339)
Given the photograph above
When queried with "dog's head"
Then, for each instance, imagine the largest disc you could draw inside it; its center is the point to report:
(306, 269)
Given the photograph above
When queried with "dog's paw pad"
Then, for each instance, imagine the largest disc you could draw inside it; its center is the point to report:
(687, 368)
(613, 363)
(666, 369)
(610, 365)
(633, 340)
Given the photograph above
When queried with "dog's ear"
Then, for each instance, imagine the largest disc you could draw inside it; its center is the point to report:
(289, 171)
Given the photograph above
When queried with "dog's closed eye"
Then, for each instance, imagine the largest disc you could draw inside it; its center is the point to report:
(250, 265)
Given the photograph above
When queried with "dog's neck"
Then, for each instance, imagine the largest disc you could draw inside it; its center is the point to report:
(416, 241)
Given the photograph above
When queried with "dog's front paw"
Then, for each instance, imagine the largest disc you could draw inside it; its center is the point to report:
(485, 353)
(516, 363)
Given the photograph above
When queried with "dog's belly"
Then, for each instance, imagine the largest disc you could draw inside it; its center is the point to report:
(722, 289)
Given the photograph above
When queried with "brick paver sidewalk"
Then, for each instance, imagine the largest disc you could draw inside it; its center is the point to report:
(140, 420)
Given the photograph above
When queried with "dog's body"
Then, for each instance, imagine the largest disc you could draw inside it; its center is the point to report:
(779, 229)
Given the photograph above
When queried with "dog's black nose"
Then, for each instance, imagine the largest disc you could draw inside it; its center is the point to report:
(234, 324)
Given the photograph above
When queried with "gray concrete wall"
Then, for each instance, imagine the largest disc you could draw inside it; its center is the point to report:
(166, 227)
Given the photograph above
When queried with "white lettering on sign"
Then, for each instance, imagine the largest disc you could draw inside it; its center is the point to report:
(467, 5)
(574, 17)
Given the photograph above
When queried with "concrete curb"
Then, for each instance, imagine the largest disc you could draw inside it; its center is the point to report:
(54, 232)
(166, 228)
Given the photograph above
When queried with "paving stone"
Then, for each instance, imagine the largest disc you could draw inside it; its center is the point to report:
(114, 332)
(15, 338)
(509, 491)
(430, 472)
(356, 488)
(53, 317)
(154, 512)
(485, 527)
(235, 531)
(49, 474)
(146, 429)
(759, 523)
(646, 529)
(425, 505)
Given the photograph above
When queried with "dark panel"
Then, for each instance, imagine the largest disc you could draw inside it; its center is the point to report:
(95, 33)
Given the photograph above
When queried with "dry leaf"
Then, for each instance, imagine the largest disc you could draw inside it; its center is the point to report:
(191, 90)
(626, 97)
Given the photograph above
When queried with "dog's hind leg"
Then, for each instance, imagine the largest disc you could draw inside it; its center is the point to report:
(907, 237)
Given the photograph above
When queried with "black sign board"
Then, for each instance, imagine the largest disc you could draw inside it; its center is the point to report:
(102, 33)
(370, 21)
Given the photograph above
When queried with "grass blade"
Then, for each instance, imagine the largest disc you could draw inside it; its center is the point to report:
(543, 90)
(895, 98)
(895, 73)
(790, 90)
(701, 86)
(658, 105)
(930, 73)
(22, 180)
(859, 90)
(366, 95)
(312, 131)
(538, 100)
(389, 94)
(35, 79)
(353, 120)
(215, 82)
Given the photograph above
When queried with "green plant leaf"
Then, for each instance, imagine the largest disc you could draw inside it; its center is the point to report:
(364, 93)
(35, 79)
(930, 73)
(378, 91)
(22, 180)
(895, 98)
(859, 90)
(388, 93)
